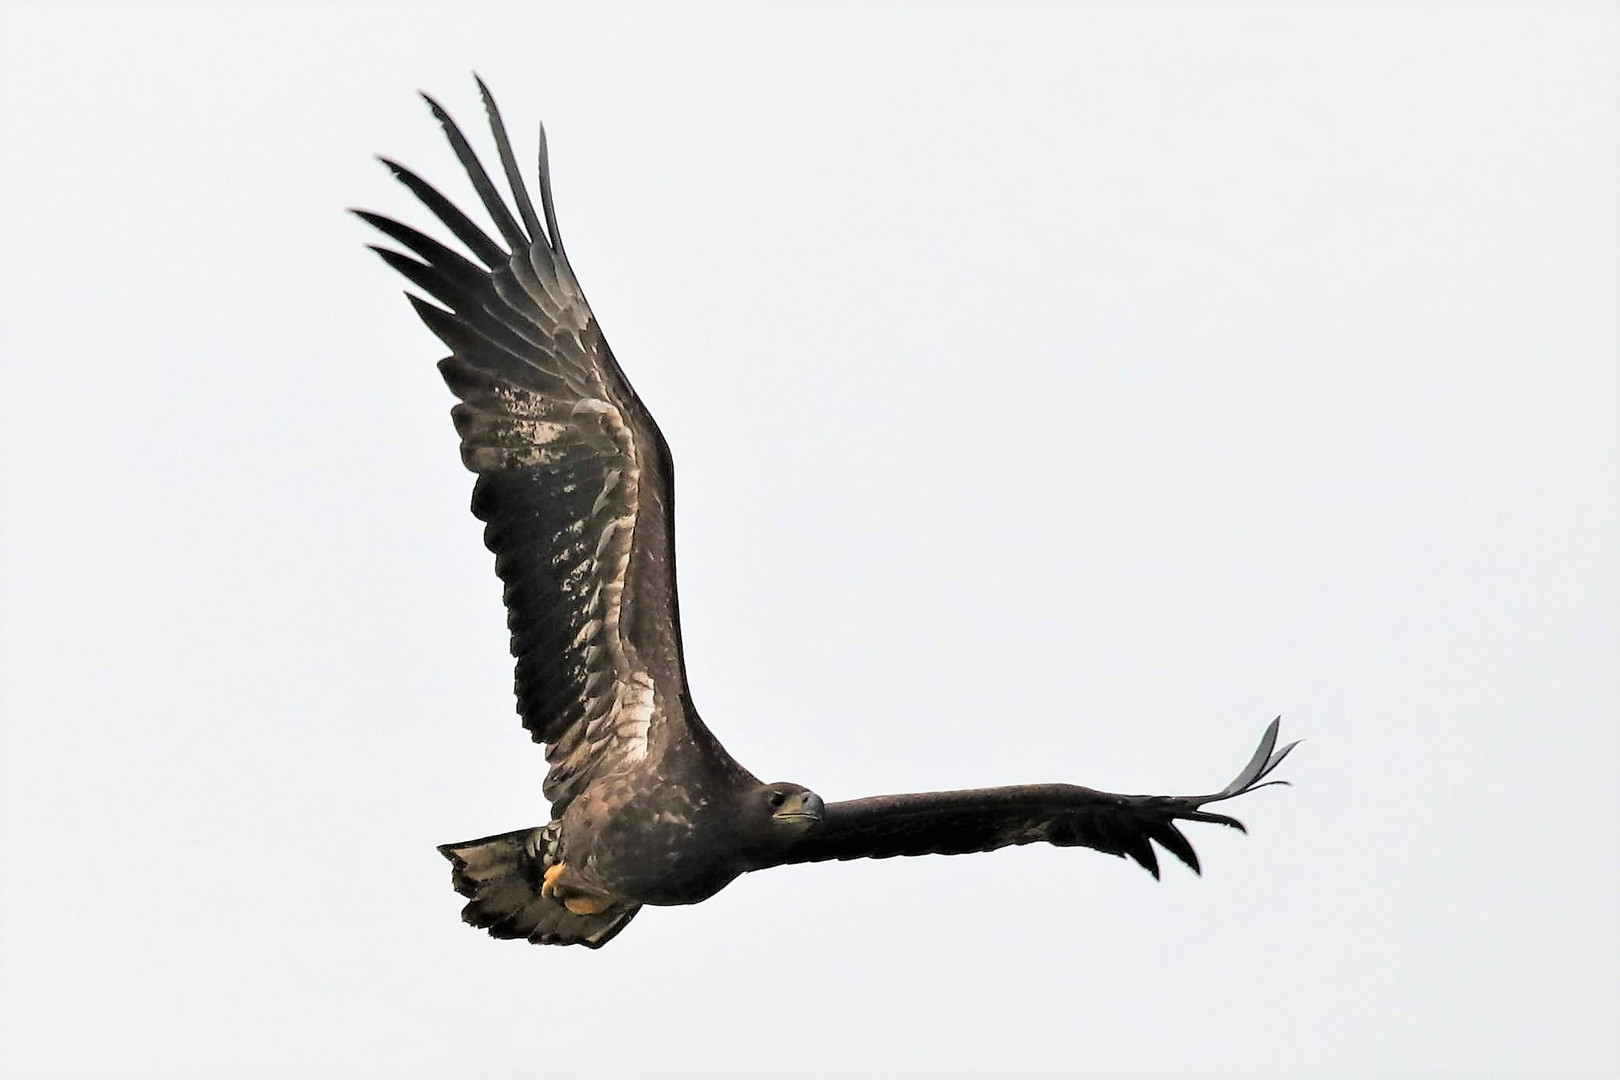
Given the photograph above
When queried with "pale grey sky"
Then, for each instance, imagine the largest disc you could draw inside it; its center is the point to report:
(1057, 393)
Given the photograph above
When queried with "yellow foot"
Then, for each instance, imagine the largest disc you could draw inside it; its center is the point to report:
(554, 887)
(585, 905)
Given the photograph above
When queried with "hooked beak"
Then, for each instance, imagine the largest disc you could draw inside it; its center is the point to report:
(806, 808)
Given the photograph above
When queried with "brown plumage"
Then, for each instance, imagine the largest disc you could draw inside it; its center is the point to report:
(576, 489)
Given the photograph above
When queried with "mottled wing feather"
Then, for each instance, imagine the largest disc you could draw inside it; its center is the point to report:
(958, 822)
(573, 475)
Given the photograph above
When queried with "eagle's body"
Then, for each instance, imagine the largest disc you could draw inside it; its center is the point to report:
(576, 489)
(662, 831)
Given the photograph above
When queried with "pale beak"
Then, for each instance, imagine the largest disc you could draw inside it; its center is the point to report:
(806, 807)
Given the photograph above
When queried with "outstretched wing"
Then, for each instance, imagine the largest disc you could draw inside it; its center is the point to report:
(574, 478)
(958, 822)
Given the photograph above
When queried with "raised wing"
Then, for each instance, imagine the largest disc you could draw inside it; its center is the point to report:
(574, 479)
(958, 822)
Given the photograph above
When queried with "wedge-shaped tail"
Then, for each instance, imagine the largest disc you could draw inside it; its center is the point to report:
(502, 878)
(1066, 815)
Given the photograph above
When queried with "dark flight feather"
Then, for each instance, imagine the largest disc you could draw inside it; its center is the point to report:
(492, 200)
(430, 250)
(477, 241)
(503, 147)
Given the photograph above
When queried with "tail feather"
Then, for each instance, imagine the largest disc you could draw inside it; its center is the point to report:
(502, 876)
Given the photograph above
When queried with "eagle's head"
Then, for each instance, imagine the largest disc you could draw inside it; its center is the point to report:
(790, 810)
(767, 820)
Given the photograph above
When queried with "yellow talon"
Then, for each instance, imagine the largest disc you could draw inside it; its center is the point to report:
(554, 887)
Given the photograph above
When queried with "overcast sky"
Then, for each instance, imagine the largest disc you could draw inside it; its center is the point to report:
(1057, 393)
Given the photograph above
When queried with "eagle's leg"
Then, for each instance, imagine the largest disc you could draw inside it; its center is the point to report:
(577, 898)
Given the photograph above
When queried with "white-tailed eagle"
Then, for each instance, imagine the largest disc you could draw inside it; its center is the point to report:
(575, 489)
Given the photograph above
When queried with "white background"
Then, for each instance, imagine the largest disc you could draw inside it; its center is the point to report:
(1058, 393)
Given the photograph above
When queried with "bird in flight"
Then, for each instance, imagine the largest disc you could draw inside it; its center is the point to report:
(575, 489)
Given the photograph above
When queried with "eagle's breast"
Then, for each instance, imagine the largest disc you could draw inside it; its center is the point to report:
(658, 832)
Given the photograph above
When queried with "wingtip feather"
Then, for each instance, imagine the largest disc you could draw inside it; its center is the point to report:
(433, 106)
(1261, 762)
(514, 176)
(1171, 839)
(431, 314)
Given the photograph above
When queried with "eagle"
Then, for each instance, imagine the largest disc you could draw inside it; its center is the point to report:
(575, 487)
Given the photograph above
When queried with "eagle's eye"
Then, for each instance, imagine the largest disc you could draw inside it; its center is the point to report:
(775, 798)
